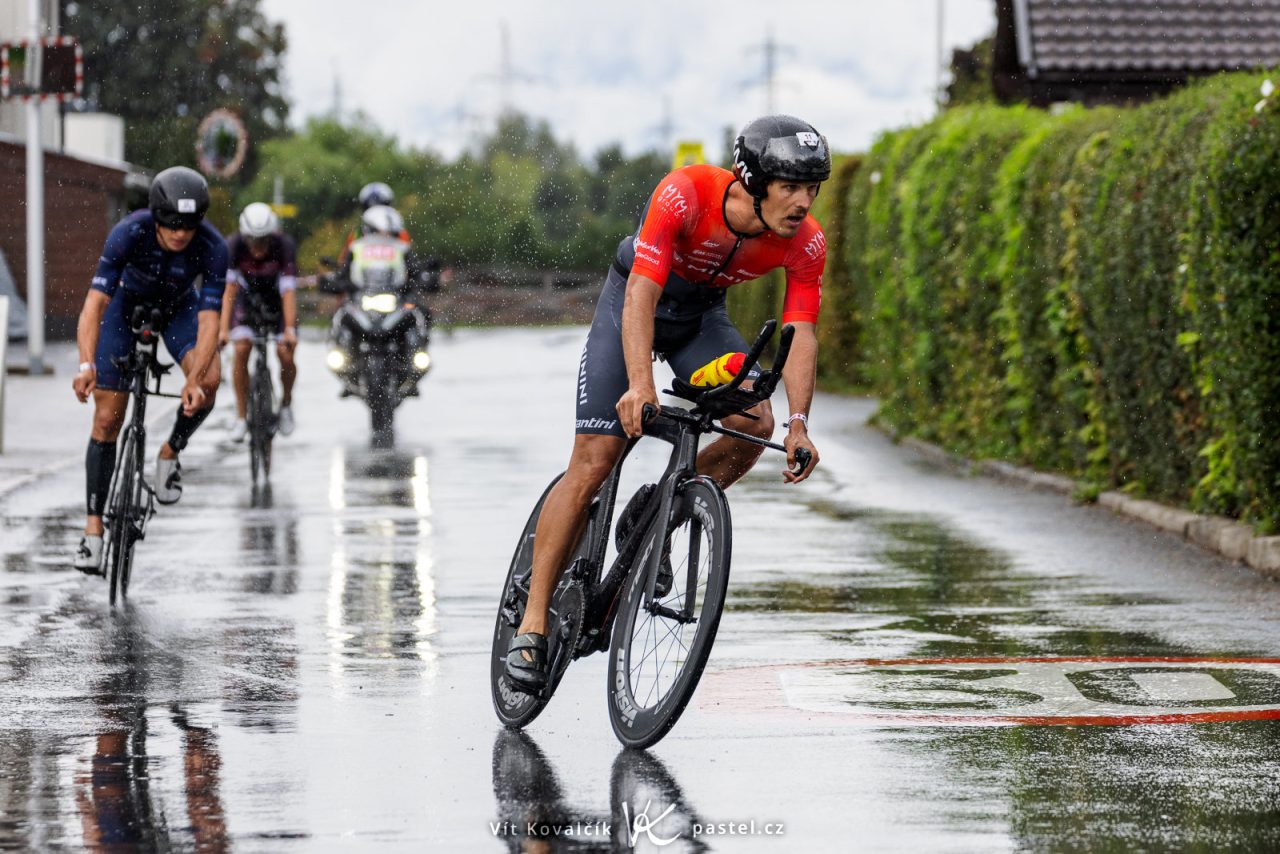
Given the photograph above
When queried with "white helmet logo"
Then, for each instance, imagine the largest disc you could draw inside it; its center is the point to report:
(741, 164)
(186, 205)
(809, 139)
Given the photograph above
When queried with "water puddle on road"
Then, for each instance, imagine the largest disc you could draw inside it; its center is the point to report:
(1043, 704)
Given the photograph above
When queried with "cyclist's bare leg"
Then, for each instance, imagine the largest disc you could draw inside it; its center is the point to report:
(563, 515)
(288, 371)
(208, 384)
(240, 376)
(725, 460)
(109, 408)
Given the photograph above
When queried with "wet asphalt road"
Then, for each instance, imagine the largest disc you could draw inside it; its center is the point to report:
(314, 675)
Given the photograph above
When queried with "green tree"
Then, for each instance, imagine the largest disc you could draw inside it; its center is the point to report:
(524, 200)
(164, 64)
(971, 75)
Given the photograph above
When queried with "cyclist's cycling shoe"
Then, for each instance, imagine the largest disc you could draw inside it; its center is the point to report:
(168, 482)
(284, 420)
(239, 430)
(527, 662)
(88, 556)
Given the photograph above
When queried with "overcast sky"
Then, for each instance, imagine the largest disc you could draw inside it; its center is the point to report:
(602, 72)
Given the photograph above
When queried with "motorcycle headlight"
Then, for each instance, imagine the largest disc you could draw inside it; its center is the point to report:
(382, 303)
(421, 361)
(336, 360)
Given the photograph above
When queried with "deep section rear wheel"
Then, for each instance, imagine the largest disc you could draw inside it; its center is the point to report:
(657, 654)
(568, 605)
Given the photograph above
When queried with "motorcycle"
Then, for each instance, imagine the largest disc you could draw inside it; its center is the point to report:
(378, 345)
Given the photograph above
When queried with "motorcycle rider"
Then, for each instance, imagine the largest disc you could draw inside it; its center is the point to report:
(382, 259)
(370, 196)
(263, 269)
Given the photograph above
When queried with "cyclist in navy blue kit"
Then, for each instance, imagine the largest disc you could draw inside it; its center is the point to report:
(166, 257)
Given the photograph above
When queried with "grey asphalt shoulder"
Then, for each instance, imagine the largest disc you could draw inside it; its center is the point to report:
(1219, 534)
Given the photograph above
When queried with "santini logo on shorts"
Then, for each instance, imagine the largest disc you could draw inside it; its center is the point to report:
(596, 424)
(186, 205)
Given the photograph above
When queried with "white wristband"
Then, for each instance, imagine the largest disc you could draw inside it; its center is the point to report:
(84, 366)
(798, 416)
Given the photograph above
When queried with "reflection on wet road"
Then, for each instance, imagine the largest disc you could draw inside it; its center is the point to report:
(910, 659)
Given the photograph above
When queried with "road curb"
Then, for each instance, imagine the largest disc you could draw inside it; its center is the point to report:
(1219, 534)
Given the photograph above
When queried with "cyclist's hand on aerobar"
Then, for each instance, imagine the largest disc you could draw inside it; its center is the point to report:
(192, 398)
(84, 383)
(631, 408)
(796, 439)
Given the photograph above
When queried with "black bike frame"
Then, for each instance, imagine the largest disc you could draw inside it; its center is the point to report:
(142, 363)
(683, 430)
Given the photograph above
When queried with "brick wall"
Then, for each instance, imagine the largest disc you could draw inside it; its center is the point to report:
(81, 202)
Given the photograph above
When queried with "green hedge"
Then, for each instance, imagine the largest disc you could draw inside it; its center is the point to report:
(1093, 292)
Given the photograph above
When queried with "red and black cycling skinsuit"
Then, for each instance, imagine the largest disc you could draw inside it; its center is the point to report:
(686, 246)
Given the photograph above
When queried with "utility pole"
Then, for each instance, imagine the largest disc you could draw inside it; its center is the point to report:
(504, 71)
(665, 129)
(337, 92)
(942, 58)
(35, 204)
(770, 50)
(508, 76)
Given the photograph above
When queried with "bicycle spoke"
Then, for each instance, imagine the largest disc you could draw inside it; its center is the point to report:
(637, 670)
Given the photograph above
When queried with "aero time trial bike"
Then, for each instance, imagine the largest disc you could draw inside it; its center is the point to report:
(262, 416)
(657, 607)
(131, 500)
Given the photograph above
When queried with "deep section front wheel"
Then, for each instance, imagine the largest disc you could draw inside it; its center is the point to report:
(261, 424)
(568, 607)
(661, 643)
(125, 507)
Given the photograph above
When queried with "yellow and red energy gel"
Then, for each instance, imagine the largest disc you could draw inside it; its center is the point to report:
(718, 371)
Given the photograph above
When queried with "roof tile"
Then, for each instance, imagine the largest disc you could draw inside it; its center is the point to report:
(1154, 35)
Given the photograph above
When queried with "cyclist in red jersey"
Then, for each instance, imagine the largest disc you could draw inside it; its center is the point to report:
(704, 230)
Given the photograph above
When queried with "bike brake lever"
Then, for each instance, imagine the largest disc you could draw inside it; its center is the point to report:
(804, 458)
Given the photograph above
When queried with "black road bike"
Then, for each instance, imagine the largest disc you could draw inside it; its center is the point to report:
(261, 405)
(657, 607)
(131, 500)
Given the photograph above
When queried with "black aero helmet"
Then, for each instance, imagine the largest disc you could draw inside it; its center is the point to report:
(779, 147)
(376, 193)
(179, 197)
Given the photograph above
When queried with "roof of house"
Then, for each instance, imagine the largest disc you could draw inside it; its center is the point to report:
(1175, 37)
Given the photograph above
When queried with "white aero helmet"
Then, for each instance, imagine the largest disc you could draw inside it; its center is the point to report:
(376, 193)
(382, 219)
(259, 220)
